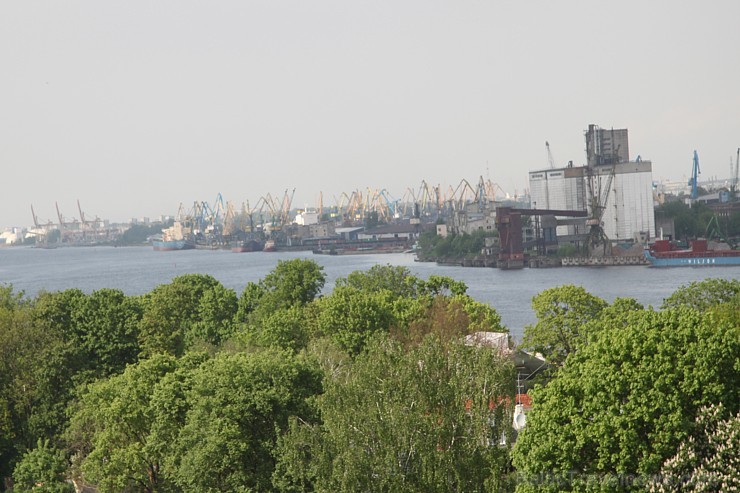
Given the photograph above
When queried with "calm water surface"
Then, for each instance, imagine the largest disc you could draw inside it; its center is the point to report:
(136, 270)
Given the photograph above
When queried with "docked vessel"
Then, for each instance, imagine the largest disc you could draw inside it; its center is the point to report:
(247, 246)
(663, 254)
(176, 237)
(162, 245)
(269, 246)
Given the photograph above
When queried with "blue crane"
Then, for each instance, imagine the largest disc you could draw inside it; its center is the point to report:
(694, 174)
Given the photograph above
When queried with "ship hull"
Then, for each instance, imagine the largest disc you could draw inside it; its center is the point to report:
(248, 246)
(172, 245)
(693, 260)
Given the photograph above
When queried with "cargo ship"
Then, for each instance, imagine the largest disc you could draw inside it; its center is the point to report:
(247, 246)
(664, 254)
(162, 245)
(176, 237)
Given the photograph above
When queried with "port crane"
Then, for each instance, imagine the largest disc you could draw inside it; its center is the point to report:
(391, 203)
(430, 199)
(285, 206)
(463, 195)
(485, 194)
(734, 175)
(46, 227)
(550, 158)
(599, 197)
(694, 176)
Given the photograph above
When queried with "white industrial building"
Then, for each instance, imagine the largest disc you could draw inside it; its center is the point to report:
(628, 202)
(629, 209)
(560, 189)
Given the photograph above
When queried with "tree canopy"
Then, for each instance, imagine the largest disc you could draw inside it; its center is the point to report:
(42, 470)
(702, 295)
(426, 419)
(369, 387)
(192, 309)
(624, 402)
(563, 317)
(707, 460)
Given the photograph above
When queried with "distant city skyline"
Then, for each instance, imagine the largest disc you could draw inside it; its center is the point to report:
(133, 108)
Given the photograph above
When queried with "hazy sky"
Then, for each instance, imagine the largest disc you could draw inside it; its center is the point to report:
(134, 107)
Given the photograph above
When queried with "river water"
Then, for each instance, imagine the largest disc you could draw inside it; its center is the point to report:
(137, 270)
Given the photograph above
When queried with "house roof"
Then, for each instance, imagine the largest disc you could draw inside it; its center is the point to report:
(496, 340)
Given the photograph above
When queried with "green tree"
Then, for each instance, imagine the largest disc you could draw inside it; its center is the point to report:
(707, 460)
(192, 308)
(56, 311)
(10, 299)
(292, 282)
(688, 221)
(215, 317)
(443, 317)
(105, 329)
(42, 470)
(165, 320)
(36, 376)
(440, 285)
(483, 317)
(625, 401)
(732, 225)
(395, 279)
(110, 429)
(351, 317)
(452, 245)
(429, 419)
(248, 302)
(237, 405)
(189, 424)
(169, 407)
(702, 295)
(618, 312)
(284, 328)
(449, 319)
(138, 234)
(562, 314)
(271, 312)
(14, 378)
(390, 299)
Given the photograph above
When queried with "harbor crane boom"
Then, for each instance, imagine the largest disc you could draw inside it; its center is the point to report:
(35, 218)
(550, 158)
(694, 176)
(734, 175)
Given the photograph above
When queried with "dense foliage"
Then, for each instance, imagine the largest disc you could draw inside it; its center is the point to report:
(563, 314)
(699, 221)
(427, 419)
(623, 403)
(708, 459)
(192, 387)
(138, 234)
(452, 246)
(42, 470)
